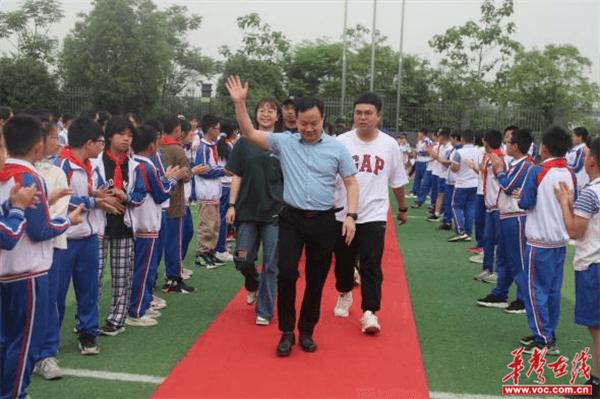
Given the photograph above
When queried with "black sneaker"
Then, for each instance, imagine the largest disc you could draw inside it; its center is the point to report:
(527, 340)
(515, 307)
(459, 237)
(433, 218)
(492, 301)
(204, 260)
(168, 285)
(552, 348)
(595, 390)
(178, 286)
(445, 227)
(112, 330)
(87, 344)
(215, 260)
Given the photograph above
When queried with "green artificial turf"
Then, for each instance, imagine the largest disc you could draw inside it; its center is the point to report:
(466, 348)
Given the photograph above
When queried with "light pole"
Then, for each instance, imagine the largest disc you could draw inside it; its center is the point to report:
(400, 68)
(344, 60)
(372, 85)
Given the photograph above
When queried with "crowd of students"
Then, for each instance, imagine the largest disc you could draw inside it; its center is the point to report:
(73, 189)
(522, 208)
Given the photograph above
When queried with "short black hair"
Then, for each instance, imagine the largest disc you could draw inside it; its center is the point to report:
(423, 130)
(444, 132)
(103, 117)
(117, 124)
(510, 127)
(170, 123)
(143, 136)
(477, 137)
(5, 113)
(289, 101)
(83, 129)
(89, 114)
(557, 141)
(156, 124)
(594, 146)
(455, 135)
(582, 132)
(371, 99)
(493, 138)
(66, 117)
(468, 136)
(523, 139)
(21, 133)
(185, 126)
(304, 104)
(403, 135)
(208, 121)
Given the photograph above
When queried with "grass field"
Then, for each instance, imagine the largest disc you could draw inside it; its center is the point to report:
(465, 348)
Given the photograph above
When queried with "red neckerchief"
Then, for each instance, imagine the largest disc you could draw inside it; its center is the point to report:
(486, 162)
(67, 154)
(168, 140)
(12, 170)
(546, 166)
(118, 176)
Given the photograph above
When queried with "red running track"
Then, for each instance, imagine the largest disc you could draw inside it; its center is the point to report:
(235, 358)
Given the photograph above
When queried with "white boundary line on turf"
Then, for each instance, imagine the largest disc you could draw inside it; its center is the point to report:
(112, 376)
(448, 395)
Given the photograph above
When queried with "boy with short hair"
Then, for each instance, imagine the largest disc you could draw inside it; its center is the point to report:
(207, 180)
(547, 238)
(440, 168)
(576, 155)
(81, 259)
(423, 158)
(173, 155)
(24, 268)
(446, 160)
(511, 239)
(465, 188)
(145, 194)
(582, 221)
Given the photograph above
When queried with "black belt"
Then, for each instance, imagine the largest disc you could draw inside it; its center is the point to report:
(310, 213)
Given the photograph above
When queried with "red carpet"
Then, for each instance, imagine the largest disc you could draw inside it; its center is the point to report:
(236, 359)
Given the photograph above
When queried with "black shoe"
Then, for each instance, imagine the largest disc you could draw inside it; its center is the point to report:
(215, 260)
(527, 340)
(284, 348)
(177, 286)
(307, 343)
(552, 348)
(433, 218)
(87, 344)
(445, 227)
(112, 330)
(492, 301)
(515, 307)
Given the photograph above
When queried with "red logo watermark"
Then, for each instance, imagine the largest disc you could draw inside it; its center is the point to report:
(538, 365)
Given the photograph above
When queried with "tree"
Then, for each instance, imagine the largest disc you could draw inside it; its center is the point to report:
(27, 28)
(129, 53)
(475, 53)
(554, 81)
(26, 83)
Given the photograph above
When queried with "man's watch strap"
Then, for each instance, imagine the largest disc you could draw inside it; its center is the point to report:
(354, 216)
(231, 205)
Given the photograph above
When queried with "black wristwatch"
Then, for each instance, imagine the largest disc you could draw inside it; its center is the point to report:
(403, 210)
(354, 216)
(231, 205)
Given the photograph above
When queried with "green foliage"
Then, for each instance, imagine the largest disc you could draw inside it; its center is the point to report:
(27, 29)
(475, 53)
(26, 82)
(554, 81)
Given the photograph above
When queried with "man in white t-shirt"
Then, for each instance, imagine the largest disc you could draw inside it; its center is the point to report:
(380, 166)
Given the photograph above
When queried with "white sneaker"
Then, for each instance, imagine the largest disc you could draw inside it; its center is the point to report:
(251, 297)
(158, 303)
(491, 278)
(370, 324)
(224, 256)
(342, 307)
(186, 274)
(159, 300)
(153, 313)
(144, 321)
(482, 275)
(188, 271)
(476, 259)
(261, 321)
(48, 369)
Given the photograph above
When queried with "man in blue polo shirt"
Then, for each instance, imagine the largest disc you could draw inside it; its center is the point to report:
(310, 162)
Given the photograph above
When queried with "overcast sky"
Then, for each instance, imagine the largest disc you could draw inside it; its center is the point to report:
(539, 22)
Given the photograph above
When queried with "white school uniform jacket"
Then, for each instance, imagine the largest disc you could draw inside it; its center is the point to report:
(444, 150)
(545, 227)
(146, 193)
(422, 155)
(94, 218)
(380, 165)
(509, 181)
(32, 254)
(575, 159)
(466, 177)
(587, 248)
(208, 185)
(491, 188)
(55, 178)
